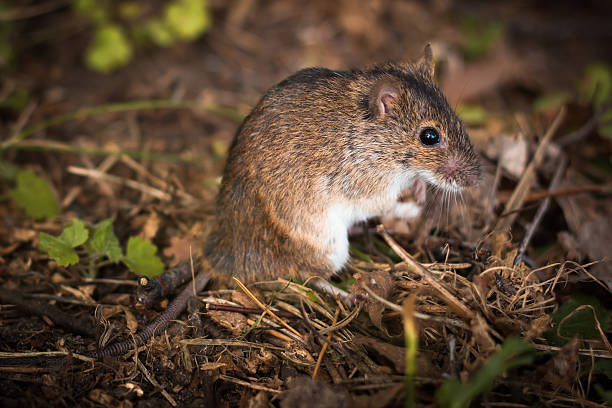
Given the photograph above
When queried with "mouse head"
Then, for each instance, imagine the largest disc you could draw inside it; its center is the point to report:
(421, 131)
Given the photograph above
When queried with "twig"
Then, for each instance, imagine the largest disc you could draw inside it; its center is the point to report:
(520, 256)
(527, 179)
(96, 174)
(504, 196)
(229, 343)
(418, 315)
(324, 347)
(156, 384)
(416, 267)
(248, 384)
(44, 309)
(581, 133)
(265, 308)
(117, 107)
(55, 146)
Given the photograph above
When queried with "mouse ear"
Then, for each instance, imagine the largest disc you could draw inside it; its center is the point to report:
(383, 98)
(426, 63)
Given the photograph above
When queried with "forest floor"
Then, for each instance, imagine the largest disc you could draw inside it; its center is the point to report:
(519, 322)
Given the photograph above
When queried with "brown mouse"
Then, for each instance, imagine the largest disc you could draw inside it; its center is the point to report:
(324, 149)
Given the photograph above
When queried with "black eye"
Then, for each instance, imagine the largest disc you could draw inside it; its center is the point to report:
(429, 136)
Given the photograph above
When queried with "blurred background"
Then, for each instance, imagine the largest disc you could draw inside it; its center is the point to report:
(194, 68)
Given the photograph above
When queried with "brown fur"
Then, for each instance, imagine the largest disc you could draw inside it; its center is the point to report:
(321, 136)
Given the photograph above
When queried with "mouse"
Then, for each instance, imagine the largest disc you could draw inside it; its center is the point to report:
(325, 149)
(321, 151)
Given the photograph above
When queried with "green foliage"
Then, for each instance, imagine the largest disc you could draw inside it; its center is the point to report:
(606, 395)
(472, 114)
(359, 254)
(8, 171)
(596, 86)
(17, 100)
(109, 50)
(513, 353)
(552, 101)
(34, 195)
(480, 37)
(187, 19)
(605, 124)
(100, 243)
(119, 26)
(582, 323)
(141, 259)
(61, 249)
(104, 242)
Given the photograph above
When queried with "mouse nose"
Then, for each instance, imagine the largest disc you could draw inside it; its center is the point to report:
(461, 171)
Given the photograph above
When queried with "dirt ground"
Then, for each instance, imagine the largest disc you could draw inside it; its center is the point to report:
(501, 64)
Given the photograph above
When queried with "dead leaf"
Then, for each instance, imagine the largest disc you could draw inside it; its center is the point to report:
(480, 334)
(537, 327)
(151, 226)
(562, 370)
(130, 321)
(178, 250)
(385, 351)
(236, 323)
(511, 152)
(381, 283)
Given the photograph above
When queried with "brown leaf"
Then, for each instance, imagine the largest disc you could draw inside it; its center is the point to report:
(381, 283)
(236, 323)
(385, 351)
(562, 370)
(537, 327)
(480, 334)
(178, 250)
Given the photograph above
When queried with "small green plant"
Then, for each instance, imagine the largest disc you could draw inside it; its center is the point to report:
(34, 195)
(120, 26)
(100, 245)
(480, 37)
(578, 323)
(513, 353)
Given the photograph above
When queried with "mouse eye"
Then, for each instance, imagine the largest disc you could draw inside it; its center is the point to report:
(429, 136)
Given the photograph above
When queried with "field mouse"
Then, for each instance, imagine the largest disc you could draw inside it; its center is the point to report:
(325, 149)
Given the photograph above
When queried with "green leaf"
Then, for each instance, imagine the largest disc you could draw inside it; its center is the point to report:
(8, 170)
(105, 242)
(551, 101)
(603, 366)
(581, 324)
(109, 50)
(75, 234)
(471, 114)
(480, 37)
(606, 395)
(605, 124)
(513, 353)
(34, 195)
(359, 254)
(596, 86)
(187, 18)
(60, 249)
(141, 259)
(159, 33)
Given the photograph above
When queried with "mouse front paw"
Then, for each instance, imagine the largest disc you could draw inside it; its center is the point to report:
(406, 210)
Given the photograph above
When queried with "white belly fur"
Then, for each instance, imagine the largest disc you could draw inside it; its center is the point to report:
(342, 215)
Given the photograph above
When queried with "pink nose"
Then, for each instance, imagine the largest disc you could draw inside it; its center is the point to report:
(459, 171)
